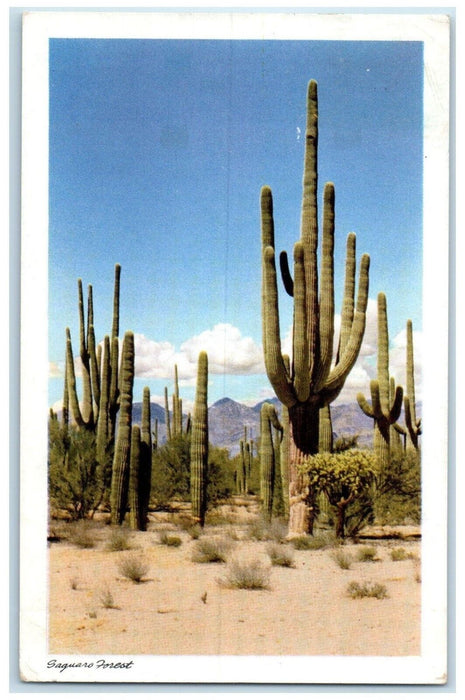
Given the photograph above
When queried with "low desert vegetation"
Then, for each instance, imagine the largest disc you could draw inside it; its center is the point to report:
(119, 540)
(342, 558)
(211, 550)
(250, 575)
(401, 554)
(368, 553)
(170, 540)
(367, 590)
(133, 567)
(280, 555)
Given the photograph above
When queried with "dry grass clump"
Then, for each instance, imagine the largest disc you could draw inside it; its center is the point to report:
(133, 568)
(319, 541)
(170, 540)
(366, 590)
(401, 554)
(211, 550)
(83, 535)
(280, 555)
(118, 540)
(107, 600)
(342, 558)
(367, 553)
(251, 575)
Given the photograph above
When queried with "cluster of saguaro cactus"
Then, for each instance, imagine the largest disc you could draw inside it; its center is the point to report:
(310, 382)
(199, 443)
(386, 398)
(96, 380)
(268, 420)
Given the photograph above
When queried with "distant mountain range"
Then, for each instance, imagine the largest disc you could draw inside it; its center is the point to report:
(227, 419)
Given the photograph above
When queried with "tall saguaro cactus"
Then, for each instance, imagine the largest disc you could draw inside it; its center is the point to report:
(120, 472)
(199, 443)
(310, 381)
(386, 401)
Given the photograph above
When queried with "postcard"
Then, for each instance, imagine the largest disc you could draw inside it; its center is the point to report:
(234, 366)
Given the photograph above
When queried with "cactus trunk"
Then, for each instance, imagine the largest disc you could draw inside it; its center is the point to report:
(120, 472)
(199, 443)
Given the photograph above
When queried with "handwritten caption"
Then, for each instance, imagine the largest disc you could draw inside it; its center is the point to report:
(101, 664)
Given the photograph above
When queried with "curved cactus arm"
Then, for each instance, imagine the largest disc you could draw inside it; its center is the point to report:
(396, 407)
(399, 429)
(365, 406)
(71, 379)
(338, 374)
(348, 302)
(300, 340)
(274, 364)
(413, 427)
(286, 273)
(326, 315)
(272, 417)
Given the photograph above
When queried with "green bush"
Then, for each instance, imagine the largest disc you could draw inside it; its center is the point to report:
(75, 482)
(118, 540)
(398, 491)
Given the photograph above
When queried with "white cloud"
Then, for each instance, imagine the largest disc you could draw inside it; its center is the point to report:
(229, 352)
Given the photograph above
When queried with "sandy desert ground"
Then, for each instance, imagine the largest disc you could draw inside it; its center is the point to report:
(181, 607)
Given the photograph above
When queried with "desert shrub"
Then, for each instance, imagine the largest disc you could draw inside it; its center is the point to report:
(398, 491)
(317, 541)
(342, 558)
(171, 471)
(83, 535)
(194, 531)
(170, 540)
(401, 554)
(248, 575)
(366, 590)
(133, 568)
(367, 553)
(75, 482)
(280, 555)
(211, 550)
(118, 540)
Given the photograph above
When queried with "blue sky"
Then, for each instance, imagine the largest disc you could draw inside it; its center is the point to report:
(158, 151)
